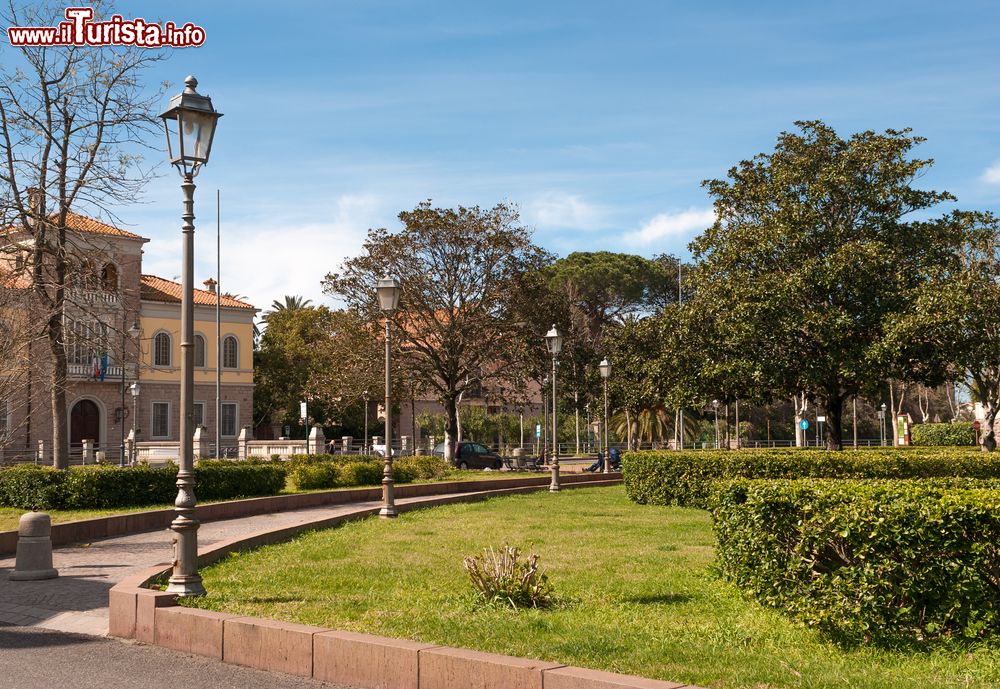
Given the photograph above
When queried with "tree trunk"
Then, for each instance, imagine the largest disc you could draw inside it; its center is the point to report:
(60, 430)
(895, 409)
(450, 429)
(988, 396)
(833, 432)
(799, 404)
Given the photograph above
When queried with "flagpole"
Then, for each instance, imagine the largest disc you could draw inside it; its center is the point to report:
(218, 323)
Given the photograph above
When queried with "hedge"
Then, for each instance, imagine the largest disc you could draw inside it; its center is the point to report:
(942, 434)
(685, 478)
(893, 563)
(104, 487)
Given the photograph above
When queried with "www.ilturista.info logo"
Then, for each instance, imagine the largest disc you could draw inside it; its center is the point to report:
(79, 29)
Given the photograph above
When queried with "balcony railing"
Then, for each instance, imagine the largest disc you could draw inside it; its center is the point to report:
(93, 297)
(86, 371)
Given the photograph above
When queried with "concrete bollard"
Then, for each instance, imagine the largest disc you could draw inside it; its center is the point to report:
(34, 548)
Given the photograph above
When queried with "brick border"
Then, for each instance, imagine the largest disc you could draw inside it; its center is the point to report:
(86, 530)
(355, 659)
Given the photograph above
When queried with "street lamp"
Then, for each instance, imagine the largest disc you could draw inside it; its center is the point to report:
(134, 333)
(715, 407)
(388, 290)
(134, 389)
(189, 124)
(554, 342)
(605, 368)
(881, 425)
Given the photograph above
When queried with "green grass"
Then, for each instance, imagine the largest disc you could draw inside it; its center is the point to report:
(635, 588)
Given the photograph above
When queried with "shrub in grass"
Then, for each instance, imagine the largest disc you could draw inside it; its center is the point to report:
(106, 487)
(686, 478)
(503, 578)
(886, 562)
(304, 476)
(943, 434)
(423, 467)
(365, 473)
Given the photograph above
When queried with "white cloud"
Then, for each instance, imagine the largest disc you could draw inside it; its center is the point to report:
(267, 260)
(992, 174)
(559, 209)
(667, 225)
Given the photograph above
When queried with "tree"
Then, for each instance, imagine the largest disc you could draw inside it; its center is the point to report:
(73, 122)
(810, 261)
(287, 363)
(290, 303)
(458, 324)
(956, 317)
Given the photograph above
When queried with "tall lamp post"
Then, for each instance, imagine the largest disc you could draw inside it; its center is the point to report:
(605, 368)
(388, 290)
(881, 424)
(134, 389)
(134, 333)
(715, 407)
(554, 342)
(189, 123)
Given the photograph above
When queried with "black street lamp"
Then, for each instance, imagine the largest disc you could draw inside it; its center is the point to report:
(189, 123)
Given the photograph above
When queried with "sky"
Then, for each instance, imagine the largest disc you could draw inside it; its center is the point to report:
(599, 119)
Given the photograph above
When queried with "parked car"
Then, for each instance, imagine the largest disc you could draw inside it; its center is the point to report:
(472, 456)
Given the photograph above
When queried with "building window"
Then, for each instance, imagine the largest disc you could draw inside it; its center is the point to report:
(161, 420)
(199, 414)
(230, 419)
(230, 352)
(109, 277)
(161, 349)
(199, 351)
(86, 342)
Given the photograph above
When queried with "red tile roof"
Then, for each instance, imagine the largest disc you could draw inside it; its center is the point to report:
(82, 223)
(159, 289)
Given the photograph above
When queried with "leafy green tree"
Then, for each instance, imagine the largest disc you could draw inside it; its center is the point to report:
(809, 262)
(956, 318)
(459, 324)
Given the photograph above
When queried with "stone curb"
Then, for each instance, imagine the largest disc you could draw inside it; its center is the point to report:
(361, 660)
(86, 530)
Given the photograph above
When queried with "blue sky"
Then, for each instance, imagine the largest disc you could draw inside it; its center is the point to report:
(600, 119)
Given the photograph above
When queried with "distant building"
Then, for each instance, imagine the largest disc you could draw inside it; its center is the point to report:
(108, 298)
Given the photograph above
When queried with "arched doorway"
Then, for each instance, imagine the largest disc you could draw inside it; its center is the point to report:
(85, 423)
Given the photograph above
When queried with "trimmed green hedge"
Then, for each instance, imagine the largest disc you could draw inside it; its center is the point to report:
(309, 472)
(685, 478)
(103, 487)
(942, 434)
(886, 562)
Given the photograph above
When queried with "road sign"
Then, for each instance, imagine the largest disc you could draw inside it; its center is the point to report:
(821, 419)
(538, 430)
(804, 424)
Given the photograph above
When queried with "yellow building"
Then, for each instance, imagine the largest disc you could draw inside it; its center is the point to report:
(160, 361)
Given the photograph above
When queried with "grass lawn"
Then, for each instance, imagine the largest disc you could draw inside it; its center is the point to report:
(635, 586)
(9, 516)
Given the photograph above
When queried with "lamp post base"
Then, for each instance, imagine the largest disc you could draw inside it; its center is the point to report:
(187, 586)
(554, 486)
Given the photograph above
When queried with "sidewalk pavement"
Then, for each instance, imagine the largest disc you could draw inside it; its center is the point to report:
(78, 600)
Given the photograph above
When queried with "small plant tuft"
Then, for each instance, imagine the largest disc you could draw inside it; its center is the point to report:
(501, 577)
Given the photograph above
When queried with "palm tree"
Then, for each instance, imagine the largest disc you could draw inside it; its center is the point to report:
(291, 303)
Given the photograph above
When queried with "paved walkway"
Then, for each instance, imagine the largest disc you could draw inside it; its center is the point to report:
(78, 600)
